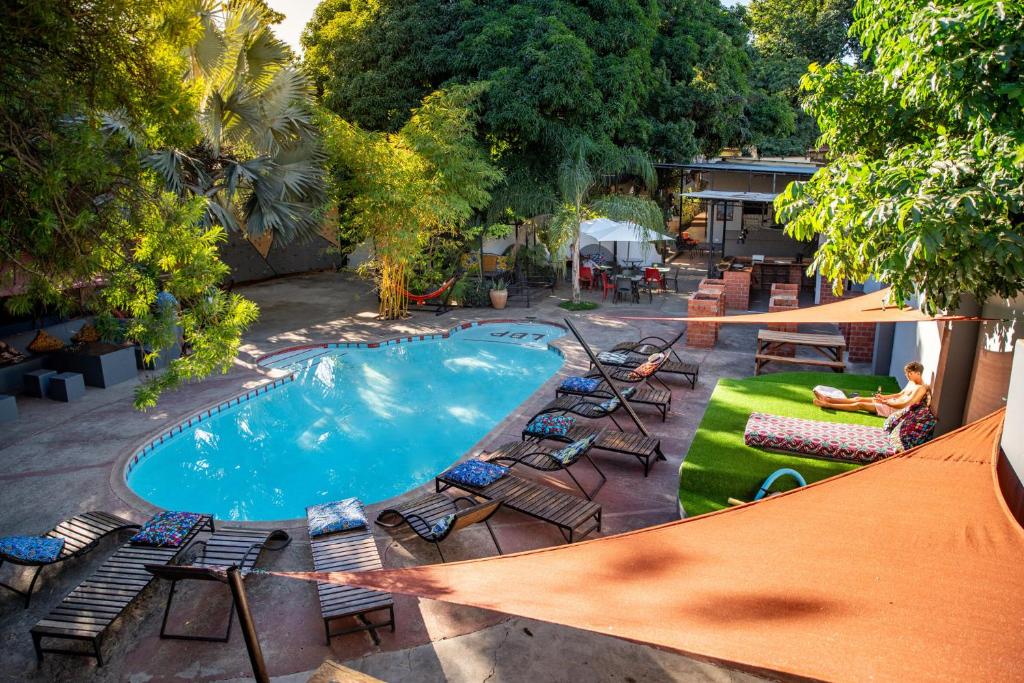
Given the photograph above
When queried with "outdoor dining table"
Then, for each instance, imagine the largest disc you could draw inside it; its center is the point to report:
(831, 346)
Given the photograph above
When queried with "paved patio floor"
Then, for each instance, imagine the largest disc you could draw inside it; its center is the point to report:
(57, 460)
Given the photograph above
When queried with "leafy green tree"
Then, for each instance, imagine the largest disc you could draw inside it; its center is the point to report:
(77, 206)
(926, 187)
(404, 189)
(260, 161)
(814, 30)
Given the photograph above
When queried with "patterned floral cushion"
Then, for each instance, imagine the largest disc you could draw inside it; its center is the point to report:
(894, 420)
(583, 385)
(441, 526)
(612, 358)
(612, 404)
(32, 548)
(917, 427)
(855, 443)
(341, 515)
(551, 425)
(167, 529)
(476, 473)
(573, 451)
(648, 368)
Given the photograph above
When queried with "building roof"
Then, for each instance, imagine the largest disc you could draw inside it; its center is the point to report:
(724, 195)
(750, 166)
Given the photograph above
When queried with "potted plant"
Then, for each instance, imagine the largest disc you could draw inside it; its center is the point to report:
(499, 294)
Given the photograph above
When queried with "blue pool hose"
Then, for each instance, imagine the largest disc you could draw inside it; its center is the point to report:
(763, 491)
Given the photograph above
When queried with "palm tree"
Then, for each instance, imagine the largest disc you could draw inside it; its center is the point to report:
(260, 162)
(586, 168)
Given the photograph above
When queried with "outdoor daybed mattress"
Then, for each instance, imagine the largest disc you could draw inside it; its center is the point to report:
(854, 443)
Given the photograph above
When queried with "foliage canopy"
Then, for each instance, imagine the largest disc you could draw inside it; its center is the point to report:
(926, 188)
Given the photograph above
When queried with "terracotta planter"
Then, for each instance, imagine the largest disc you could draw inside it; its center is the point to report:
(499, 297)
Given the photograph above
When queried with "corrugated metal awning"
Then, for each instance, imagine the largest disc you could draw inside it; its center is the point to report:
(725, 196)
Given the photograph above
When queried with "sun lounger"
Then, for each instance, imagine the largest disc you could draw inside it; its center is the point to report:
(657, 398)
(575, 517)
(628, 359)
(531, 454)
(644, 448)
(88, 611)
(649, 345)
(435, 516)
(637, 352)
(350, 551)
(80, 534)
(226, 548)
(812, 438)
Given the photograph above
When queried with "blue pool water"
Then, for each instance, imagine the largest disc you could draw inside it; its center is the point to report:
(369, 423)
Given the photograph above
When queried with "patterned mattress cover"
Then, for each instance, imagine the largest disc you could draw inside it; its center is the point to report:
(855, 443)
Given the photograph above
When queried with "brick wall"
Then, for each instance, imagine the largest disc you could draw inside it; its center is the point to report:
(737, 289)
(860, 337)
(701, 304)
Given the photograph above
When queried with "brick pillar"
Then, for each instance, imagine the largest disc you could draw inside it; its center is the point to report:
(860, 341)
(701, 304)
(737, 289)
(827, 296)
(783, 303)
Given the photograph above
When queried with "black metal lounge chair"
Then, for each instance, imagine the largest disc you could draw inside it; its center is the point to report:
(541, 458)
(80, 534)
(632, 359)
(225, 548)
(88, 611)
(646, 449)
(423, 513)
(657, 398)
(575, 517)
(638, 352)
(350, 551)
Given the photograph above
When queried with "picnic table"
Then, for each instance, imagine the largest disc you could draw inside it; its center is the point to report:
(830, 346)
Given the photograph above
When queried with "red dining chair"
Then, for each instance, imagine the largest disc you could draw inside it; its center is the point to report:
(652, 277)
(606, 286)
(586, 277)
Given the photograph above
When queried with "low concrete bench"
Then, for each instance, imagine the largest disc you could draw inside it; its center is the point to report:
(8, 408)
(66, 386)
(37, 381)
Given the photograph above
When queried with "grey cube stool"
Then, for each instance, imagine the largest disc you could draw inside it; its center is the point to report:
(66, 386)
(37, 381)
(8, 408)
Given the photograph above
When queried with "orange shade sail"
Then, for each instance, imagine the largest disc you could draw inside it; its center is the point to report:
(867, 308)
(908, 569)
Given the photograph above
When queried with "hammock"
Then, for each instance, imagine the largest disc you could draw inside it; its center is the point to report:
(420, 299)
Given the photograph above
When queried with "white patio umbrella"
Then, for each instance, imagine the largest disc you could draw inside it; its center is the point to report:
(607, 230)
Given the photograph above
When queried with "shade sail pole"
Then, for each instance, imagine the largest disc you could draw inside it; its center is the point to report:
(604, 373)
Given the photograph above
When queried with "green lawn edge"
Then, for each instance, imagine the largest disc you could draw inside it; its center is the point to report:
(719, 465)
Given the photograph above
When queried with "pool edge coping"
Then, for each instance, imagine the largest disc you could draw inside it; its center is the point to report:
(118, 479)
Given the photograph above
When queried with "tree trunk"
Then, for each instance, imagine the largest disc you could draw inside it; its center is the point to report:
(576, 266)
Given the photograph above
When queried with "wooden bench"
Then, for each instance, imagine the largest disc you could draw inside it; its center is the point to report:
(350, 551)
(89, 610)
(832, 347)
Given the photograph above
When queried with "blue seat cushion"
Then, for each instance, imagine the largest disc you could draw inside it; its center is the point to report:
(551, 425)
(167, 529)
(571, 453)
(341, 515)
(441, 526)
(39, 549)
(583, 385)
(475, 473)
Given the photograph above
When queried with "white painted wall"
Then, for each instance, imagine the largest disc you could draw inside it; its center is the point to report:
(916, 341)
(1013, 425)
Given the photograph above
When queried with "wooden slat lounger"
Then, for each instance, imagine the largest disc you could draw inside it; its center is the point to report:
(227, 547)
(575, 517)
(643, 448)
(422, 513)
(640, 350)
(87, 612)
(350, 551)
(533, 455)
(80, 533)
(657, 398)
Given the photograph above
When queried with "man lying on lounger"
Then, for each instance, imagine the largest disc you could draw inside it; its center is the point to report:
(882, 405)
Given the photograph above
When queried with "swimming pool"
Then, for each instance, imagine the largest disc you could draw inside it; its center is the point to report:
(351, 421)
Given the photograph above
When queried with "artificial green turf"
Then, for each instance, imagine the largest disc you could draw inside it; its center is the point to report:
(719, 465)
